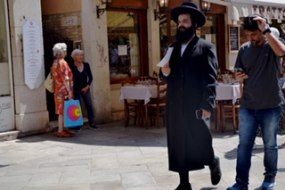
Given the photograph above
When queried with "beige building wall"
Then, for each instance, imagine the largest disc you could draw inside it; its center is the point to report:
(30, 105)
(60, 6)
(95, 45)
(91, 33)
(153, 39)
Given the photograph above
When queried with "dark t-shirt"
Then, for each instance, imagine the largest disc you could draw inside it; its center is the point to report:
(82, 79)
(261, 89)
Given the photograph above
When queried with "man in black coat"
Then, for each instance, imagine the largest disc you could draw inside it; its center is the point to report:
(191, 76)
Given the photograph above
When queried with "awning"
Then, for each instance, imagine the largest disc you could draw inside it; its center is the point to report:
(269, 9)
(278, 3)
(270, 2)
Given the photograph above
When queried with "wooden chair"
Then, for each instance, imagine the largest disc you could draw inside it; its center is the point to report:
(155, 74)
(156, 108)
(131, 107)
(227, 110)
(147, 80)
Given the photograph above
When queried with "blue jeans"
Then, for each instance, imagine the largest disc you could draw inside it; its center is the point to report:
(250, 120)
(88, 105)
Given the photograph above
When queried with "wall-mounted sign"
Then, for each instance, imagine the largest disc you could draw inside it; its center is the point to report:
(6, 114)
(69, 21)
(269, 12)
(122, 50)
(234, 35)
(33, 55)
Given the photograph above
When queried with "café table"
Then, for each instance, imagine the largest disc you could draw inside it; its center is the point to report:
(138, 92)
(227, 96)
(228, 92)
(142, 94)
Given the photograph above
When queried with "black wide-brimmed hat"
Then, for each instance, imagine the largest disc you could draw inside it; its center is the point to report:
(189, 8)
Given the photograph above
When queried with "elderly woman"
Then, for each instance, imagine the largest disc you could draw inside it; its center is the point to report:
(63, 85)
(82, 81)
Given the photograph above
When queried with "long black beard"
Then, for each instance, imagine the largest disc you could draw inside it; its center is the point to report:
(185, 35)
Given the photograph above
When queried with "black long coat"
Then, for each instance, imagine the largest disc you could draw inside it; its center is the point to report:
(191, 86)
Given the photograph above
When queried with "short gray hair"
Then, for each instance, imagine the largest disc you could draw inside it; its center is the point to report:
(59, 49)
(76, 52)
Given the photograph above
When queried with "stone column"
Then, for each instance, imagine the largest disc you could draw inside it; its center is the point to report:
(95, 43)
(30, 105)
(153, 38)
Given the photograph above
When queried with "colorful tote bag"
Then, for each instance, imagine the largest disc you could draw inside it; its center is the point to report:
(72, 114)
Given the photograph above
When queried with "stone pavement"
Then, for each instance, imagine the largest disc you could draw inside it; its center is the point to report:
(116, 158)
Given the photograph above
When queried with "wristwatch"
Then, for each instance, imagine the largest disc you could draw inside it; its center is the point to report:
(267, 30)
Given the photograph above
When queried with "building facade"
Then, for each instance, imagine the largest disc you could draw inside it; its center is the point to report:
(120, 39)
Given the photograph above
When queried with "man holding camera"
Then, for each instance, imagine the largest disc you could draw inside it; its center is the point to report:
(258, 63)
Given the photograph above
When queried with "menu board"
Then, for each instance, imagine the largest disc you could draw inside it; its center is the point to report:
(234, 38)
(33, 54)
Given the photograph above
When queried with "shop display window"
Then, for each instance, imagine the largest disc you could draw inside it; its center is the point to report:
(123, 45)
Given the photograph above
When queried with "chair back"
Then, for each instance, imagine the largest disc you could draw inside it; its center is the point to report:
(154, 74)
(157, 106)
(147, 80)
(130, 106)
(161, 91)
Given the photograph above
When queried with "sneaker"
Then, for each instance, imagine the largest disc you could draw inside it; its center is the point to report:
(267, 186)
(238, 186)
(216, 173)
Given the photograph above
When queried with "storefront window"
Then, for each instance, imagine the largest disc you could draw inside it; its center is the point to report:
(208, 32)
(123, 45)
(4, 65)
(214, 25)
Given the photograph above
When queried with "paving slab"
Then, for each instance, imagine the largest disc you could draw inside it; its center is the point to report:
(117, 158)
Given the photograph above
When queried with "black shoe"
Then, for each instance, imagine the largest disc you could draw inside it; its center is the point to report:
(267, 186)
(184, 187)
(216, 173)
(76, 129)
(94, 126)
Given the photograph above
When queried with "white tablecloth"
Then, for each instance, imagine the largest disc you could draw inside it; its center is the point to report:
(228, 92)
(138, 92)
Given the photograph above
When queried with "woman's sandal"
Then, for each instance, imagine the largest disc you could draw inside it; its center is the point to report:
(63, 134)
(69, 132)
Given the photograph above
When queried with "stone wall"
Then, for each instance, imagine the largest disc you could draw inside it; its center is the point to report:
(30, 105)
(67, 25)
